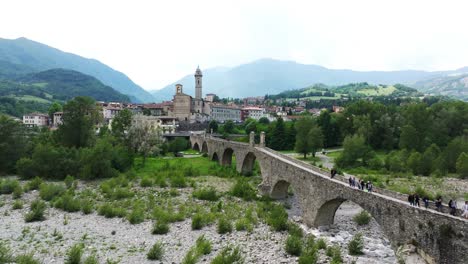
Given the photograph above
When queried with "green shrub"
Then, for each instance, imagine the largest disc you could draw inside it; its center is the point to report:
(161, 181)
(321, 244)
(197, 221)
(69, 180)
(37, 211)
(178, 181)
(362, 218)
(5, 254)
(50, 191)
(278, 218)
(228, 255)
(160, 228)
(207, 194)
(74, 254)
(156, 252)
(294, 245)
(136, 216)
(146, 182)
(34, 184)
(26, 259)
(17, 192)
(91, 260)
(224, 226)
(191, 257)
(122, 193)
(244, 224)
(308, 258)
(87, 206)
(244, 190)
(8, 186)
(203, 245)
(356, 245)
(295, 230)
(67, 203)
(18, 204)
(109, 210)
(335, 253)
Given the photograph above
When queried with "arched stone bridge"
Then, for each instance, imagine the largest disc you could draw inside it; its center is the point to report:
(439, 238)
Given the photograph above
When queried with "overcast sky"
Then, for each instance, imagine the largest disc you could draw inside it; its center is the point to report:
(158, 42)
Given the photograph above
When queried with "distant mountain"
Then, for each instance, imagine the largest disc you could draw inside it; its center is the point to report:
(30, 56)
(36, 91)
(269, 76)
(452, 85)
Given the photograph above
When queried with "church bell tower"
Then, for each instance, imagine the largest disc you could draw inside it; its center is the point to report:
(198, 83)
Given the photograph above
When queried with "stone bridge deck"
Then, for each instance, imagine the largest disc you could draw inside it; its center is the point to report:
(439, 237)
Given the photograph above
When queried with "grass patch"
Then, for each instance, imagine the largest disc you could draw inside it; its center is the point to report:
(48, 192)
(156, 252)
(160, 228)
(224, 226)
(18, 204)
(68, 203)
(109, 210)
(37, 211)
(136, 216)
(362, 218)
(26, 259)
(228, 255)
(74, 254)
(293, 245)
(207, 194)
(244, 190)
(356, 245)
(8, 186)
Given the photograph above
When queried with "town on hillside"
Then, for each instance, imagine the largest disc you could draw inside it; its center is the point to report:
(185, 112)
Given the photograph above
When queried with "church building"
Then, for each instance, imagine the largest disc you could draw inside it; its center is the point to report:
(187, 108)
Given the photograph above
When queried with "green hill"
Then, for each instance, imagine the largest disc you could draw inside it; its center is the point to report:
(352, 90)
(455, 86)
(30, 56)
(36, 91)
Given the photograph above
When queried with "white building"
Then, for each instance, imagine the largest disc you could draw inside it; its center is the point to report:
(57, 119)
(163, 123)
(36, 120)
(223, 113)
(253, 112)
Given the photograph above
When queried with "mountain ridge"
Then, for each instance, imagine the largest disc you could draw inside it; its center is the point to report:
(270, 76)
(40, 57)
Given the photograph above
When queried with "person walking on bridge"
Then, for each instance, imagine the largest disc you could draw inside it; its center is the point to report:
(453, 207)
(438, 204)
(426, 201)
(411, 199)
(465, 210)
(416, 200)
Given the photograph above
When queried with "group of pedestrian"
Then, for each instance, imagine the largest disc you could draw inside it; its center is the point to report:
(360, 184)
(413, 200)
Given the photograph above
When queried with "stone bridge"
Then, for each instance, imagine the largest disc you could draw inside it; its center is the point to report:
(438, 237)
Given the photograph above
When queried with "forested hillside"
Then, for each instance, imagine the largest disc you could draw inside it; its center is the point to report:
(35, 92)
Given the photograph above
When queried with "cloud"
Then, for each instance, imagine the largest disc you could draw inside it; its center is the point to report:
(157, 42)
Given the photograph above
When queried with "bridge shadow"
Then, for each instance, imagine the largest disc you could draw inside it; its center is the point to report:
(250, 165)
(204, 148)
(196, 147)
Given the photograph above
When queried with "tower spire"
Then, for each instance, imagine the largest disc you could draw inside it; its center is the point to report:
(198, 83)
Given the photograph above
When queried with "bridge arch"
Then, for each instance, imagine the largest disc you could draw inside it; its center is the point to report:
(196, 147)
(226, 159)
(280, 190)
(215, 157)
(204, 148)
(248, 164)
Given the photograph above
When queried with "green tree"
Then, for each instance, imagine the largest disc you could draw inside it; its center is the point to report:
(315, 139)
(122, 123)
(264, 120)
(303, 127)
(97, 161)
(409, 138)
(278, 135)
(462, 165)
(13, 143)
(144, 140)
(178, 144)
(228, 127)
(80, 117)
(428, 159)
(414, 162)
(355, 152)
(213, 125)
(53, 108)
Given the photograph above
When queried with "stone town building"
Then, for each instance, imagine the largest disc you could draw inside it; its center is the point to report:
(223, 113)
(57, 121)
(164, 124)
(36, 120)
(187, 108)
